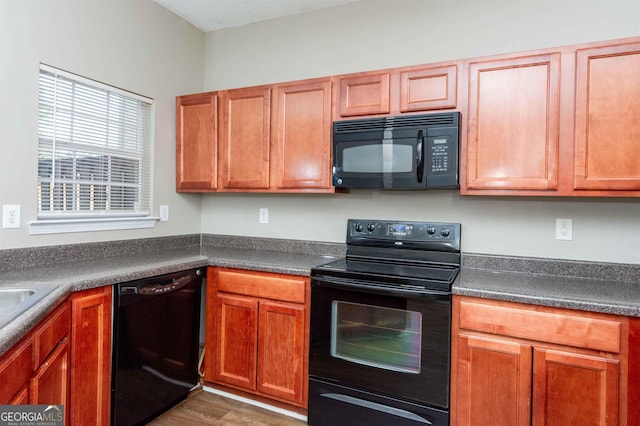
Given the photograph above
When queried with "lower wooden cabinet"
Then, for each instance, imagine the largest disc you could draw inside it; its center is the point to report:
(36, 369)
(257, 339)
(16, 369)
(519, 364)
(50, 383)
(91, 356)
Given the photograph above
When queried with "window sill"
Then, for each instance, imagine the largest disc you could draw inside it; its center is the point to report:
(61, 226)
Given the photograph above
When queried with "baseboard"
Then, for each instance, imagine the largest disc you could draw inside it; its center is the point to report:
(255, 403)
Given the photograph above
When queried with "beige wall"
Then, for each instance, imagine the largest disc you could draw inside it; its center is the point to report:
(158, 55)
(373, 34)
(133, 44)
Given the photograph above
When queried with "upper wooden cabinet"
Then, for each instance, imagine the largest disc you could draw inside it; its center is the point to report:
(513, 122)
(245, 138)
(558, 122)
(302, 138)
(397, 90)
(424, 89)
(274, 138)
(197, 142)
(364, 94)
(607, 130)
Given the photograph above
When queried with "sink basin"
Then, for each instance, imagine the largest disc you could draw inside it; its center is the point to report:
(10, 297)
(16, 300)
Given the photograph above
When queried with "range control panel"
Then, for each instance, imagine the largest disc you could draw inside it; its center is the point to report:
(402, 233)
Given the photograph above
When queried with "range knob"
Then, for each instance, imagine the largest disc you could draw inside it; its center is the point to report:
(359, 227)
(445, 232)
(431, 230)
(371, 227)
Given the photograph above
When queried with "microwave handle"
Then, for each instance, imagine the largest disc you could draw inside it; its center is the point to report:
(420, 156)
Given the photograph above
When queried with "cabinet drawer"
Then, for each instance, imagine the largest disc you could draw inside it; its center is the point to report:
(548, 325)
(265, 285)
(51, 331)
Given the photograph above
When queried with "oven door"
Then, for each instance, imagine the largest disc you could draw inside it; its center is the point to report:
(380, 339)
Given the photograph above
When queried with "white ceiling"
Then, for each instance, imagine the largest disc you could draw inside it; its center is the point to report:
(209, 15)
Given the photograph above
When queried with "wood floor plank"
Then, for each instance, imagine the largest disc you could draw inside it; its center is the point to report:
(205, 408)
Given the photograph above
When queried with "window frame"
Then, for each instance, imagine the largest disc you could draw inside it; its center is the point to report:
(82, 219)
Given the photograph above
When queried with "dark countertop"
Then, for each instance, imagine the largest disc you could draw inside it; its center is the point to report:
(589, 286)
(91, 273)
(612, 297)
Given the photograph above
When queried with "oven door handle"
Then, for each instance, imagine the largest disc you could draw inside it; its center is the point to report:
(372, 287)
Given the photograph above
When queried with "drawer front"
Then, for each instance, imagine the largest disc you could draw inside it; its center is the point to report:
(264, 285)
(51, 331)
(552, 326)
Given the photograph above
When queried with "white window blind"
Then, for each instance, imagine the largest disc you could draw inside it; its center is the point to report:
(94, 149)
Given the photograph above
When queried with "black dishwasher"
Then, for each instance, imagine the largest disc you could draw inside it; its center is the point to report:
(156, 326)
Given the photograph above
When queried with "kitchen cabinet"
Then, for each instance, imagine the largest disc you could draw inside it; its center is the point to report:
(245, 138)
(302, 137)
(277, 138)
(607, 139)
(257, 333)
(90, 356)
(36, 369)
(365, 94)
(16, 368)
(50, 383)
(397, 90)
(512, 123)
(553, 122)
(197, 142)
(515, 364)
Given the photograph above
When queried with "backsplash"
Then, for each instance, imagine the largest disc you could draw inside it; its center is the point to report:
(559, 267)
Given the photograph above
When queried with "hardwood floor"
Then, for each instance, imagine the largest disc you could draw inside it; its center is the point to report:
(205, 408)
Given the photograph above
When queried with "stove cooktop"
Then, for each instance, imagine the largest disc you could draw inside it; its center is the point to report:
(399, 253)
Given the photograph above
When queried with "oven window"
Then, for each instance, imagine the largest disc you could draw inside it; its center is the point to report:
(378, 158)
(376, 336)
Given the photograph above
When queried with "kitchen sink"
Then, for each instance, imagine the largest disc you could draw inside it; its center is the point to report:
(15, 301)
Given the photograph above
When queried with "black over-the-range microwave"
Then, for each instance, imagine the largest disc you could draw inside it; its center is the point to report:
(400, 152)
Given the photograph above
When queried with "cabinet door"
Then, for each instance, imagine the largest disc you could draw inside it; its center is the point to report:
(494, 382)
(574, 389)
(428, 89)
(237, 331)
(91, 356)
(197, 142)
(303, 142)
(16, 367)
(281, 350)
(364, 95)
(607, 133)
(245, 138)
(50, 384)
(513, 123)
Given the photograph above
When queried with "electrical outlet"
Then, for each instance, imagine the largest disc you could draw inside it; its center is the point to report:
(264, 215)
(164, 213)
(11, 216)
(564, 229)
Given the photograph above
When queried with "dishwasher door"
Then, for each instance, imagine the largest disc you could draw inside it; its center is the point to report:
(156, 326)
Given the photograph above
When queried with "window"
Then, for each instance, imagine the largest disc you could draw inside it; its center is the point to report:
(94, 151)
